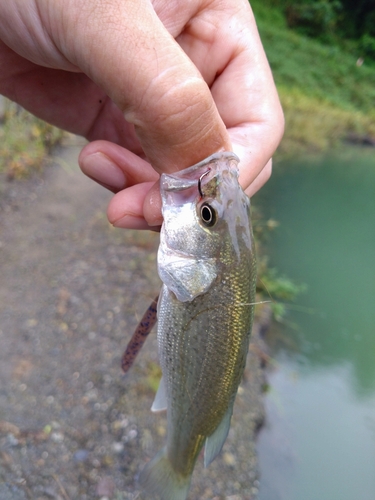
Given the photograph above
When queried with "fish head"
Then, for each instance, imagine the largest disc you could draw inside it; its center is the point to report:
(206, 222)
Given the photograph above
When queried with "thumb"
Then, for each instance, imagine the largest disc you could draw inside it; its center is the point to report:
(125, 48)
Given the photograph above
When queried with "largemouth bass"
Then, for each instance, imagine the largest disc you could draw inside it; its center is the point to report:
(206, 261)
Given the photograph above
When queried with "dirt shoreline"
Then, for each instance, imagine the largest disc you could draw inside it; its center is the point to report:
(72, 289)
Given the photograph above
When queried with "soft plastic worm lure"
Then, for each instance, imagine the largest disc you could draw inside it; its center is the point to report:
(139, 336)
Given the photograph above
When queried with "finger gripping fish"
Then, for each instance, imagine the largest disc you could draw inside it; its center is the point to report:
(206, 261)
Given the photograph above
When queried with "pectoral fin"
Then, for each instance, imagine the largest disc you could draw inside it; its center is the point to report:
(214, 443)
(160, 401)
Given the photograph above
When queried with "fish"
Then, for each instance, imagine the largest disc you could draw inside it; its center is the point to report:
(207, 263)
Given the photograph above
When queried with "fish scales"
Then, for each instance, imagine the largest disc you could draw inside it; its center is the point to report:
(204, 323)
(202, 366)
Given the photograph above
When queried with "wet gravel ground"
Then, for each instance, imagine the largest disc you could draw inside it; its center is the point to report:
(72, 289)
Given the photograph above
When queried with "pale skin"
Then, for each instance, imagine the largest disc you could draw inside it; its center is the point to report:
(155, 86)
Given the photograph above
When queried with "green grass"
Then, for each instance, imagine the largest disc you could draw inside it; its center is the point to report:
(315, 124)
(325, 94)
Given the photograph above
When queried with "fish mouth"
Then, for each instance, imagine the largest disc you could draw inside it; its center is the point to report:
(192, 176)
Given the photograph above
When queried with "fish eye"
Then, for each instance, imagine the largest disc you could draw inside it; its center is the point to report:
(208, 215)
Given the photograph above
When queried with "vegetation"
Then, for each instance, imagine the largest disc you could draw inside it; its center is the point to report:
(281, 290)
(25, 141)
(322, 54)
(343, 22)
(272, 287)
(326, 84)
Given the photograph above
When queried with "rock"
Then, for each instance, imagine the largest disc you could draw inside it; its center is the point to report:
(81, 455)
(106, 487)
(11, 492)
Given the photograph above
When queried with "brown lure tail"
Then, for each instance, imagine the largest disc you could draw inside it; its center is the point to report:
(139, 336)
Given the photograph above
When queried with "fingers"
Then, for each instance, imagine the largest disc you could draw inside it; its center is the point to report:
(223, 43)
(255, 144)
(124, 48)
(137, 204)
(127, 208)
(259, 181)
(156, 85)
(114, 167)
(179, 117)
(219, 41)
(228, 52)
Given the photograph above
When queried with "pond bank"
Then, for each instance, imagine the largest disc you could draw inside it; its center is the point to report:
(72, 291)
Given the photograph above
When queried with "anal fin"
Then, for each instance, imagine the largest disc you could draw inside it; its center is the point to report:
(214, 443)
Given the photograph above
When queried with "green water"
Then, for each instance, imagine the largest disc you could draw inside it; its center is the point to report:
(319, 438)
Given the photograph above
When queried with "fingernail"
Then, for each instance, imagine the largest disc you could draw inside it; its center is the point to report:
(100, 168)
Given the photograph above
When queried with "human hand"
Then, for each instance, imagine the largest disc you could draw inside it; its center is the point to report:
(158, 86)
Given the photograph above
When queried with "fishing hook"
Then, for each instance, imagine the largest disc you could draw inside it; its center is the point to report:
(200, 182)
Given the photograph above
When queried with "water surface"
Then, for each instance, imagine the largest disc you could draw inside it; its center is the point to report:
(319, 440)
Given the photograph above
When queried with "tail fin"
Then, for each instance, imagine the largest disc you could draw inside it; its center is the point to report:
(159, 478)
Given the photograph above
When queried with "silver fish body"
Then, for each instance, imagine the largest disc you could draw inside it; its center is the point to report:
(206, 261)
